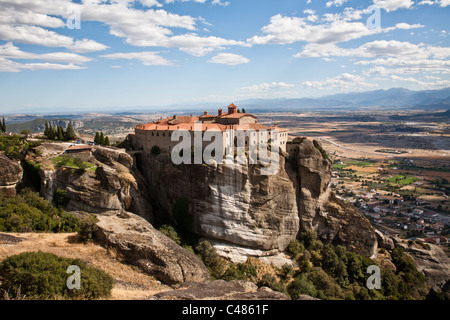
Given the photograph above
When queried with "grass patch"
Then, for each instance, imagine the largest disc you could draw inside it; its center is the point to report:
(403, 179)
(360, 163)
(74, 163)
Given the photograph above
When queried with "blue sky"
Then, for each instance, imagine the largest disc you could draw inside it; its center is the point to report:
(96, 55)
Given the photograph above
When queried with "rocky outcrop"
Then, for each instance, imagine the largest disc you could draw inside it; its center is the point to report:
(231, 204)
(244, 212)
(140, 244)
(11, 174)
(384, 241)
(113, 185)
(433, 263)
(220, 290)
(319, 209)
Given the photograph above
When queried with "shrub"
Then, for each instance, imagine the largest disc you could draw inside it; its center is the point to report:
(29, 212)
(301, 285)
(155, 150)
(39, 275)
(88, 228)
(170, 232)
(295, 247)
(60, 198)
(211, 259)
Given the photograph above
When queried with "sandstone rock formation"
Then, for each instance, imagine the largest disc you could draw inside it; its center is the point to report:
(113, 185)
(220, 290)
(142, 245)
(11, 174)
(433, 263)
(319, 209)
(244, 212)
(231, 204)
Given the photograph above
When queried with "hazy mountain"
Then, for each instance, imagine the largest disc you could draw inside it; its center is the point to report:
(391, 98)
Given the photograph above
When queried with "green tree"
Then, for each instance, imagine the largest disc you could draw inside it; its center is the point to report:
(70, 132)
(211, 259)
(51, 132)
(243, 110)
(60, 133)
(101, 140)
(3, 126)
(97, 138)
(106, 143)
(301, 285)
(46, 129)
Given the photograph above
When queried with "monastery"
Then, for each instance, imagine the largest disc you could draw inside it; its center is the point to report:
(232, 125)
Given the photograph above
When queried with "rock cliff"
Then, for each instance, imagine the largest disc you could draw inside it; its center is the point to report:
(319, 209)
(230, 204)
(11, 174)
(140, 244)
(112, 185)
(246, 213)
(242, 212)
(220, 290)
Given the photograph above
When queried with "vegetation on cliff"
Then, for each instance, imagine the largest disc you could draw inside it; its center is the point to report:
(29, 212)
(40, 275)
(16, 147)
(324, 271)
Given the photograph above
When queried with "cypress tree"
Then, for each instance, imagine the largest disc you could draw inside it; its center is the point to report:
(3, 125)
(60, 133)
(70, 133)
(243, 110)
(97, 138)
(46, 130)
(102, 138)
(106, 141)
(51, 132)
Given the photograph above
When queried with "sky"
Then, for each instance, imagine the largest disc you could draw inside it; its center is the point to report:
(102, 55)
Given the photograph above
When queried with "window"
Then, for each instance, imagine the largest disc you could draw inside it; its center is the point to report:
(157, 134)
(153, 134)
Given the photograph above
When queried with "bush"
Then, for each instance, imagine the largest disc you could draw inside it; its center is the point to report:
(60, 198)
(170, 232)
(211, 259)
(155, 150)
(294, 248)
(301, 285)
(29, 212)
(88, 228)
(39, 275)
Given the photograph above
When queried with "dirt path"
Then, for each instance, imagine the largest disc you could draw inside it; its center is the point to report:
(130, 282)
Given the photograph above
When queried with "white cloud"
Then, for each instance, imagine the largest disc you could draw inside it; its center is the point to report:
(147, 58)
(405, 57)
(10, 51)
(344, 81)
(39, 36)
(393, 5)
(267, 86)
(220, 3)
(229, 59)
(406, 26)
(442, 3)
(286, 30)
(336, 3)
(7, 65)
(147, 28)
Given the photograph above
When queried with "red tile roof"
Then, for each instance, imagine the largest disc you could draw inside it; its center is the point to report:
(80, 147)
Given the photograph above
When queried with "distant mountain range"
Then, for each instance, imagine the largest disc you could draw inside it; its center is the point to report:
(391, 98)
(380, 99)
